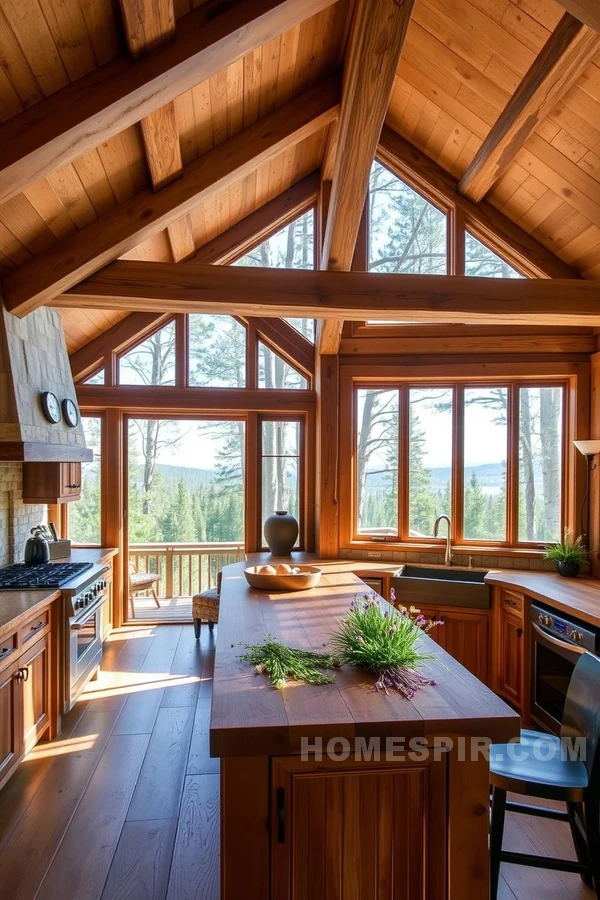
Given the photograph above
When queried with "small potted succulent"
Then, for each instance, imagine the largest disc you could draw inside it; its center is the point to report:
(568, 555)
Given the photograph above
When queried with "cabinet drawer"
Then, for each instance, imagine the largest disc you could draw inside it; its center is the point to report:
(34, 628)
(8, 650)
(512, 602)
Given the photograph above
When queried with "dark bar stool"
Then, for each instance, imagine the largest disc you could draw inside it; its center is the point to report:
(563, 776)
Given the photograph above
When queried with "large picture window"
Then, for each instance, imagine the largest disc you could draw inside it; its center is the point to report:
(489, 456)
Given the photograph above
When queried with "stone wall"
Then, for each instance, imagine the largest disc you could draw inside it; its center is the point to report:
(16, 518)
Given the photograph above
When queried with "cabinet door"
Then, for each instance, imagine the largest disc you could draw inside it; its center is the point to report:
(11, 721)
(35, 665)
(70, 480)
(509, 672)
(361, 831)
(465, 636)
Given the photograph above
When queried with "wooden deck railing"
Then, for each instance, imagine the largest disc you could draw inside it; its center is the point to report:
(184, 569)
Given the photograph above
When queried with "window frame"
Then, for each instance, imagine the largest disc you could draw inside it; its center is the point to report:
(351, 538)
(64, 509)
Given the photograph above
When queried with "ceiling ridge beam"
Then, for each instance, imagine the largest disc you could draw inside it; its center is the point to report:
(375, 44)
(482, 219)
(120, 93)
(231, 290)
(147, 213)
(587, 11)
(566, 54)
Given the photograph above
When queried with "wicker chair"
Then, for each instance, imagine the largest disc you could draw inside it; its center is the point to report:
(205, 607)
(140, 582)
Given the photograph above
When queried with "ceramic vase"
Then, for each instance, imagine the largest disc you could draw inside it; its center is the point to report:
(568, 568)
(281, 532)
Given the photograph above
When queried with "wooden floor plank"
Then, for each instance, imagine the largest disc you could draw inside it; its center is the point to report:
(199, 760)
(195, 867)
(80, 867)
(158, 791)
(142, 862)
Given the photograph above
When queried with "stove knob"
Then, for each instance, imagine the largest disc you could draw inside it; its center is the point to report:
(88, 598)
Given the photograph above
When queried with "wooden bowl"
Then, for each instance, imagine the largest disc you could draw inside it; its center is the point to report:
(308, 577)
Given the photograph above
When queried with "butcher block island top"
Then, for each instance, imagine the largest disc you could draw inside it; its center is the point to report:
(250, 717)
(343, 822)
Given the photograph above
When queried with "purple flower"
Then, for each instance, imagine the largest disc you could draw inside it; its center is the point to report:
(392, 595)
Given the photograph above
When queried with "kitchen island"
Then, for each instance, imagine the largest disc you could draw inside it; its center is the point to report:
(359, 824)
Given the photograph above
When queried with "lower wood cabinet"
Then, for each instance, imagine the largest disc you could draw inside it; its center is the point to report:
(25, 701)
(464, 634)
(358, 831)
(509, 650)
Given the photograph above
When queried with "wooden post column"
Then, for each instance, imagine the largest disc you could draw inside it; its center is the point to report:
(327, 454)
(594, 499)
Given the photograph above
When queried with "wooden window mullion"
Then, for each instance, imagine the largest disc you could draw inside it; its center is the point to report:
(403, 463)
(512, 466)
(458, 461)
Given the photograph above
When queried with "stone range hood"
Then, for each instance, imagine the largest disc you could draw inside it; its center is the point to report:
(34, 359)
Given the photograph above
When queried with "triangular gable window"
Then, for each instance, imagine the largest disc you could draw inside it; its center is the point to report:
(483, 262)
(406, 232)
(151, 362)
(275, 372)
(96, 378)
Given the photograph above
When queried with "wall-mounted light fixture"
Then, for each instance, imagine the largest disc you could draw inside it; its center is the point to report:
(589, 449)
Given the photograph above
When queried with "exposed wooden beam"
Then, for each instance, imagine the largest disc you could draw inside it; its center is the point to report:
(376, 39)
(288, 342)
(173, 399)
(587, 11)
(134, 327)
(566, 54)
(150, 24)
(99, 105)
(160, 287)
(484, 220)
(260, 224)
(147, 213)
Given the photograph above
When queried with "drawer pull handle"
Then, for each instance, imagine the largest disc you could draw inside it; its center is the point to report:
(519, 632)
(5, 651)
(37, 627)
(73, 486)
(510, 602)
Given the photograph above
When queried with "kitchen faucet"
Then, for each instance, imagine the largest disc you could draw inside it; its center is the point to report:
(436, 528)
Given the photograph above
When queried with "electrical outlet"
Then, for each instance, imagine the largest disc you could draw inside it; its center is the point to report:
(374, 554)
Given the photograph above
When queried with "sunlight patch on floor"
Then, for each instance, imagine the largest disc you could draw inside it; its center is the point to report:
(59, 747)
(115, 684)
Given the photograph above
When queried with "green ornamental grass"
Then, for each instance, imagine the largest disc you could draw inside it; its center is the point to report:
(282, 663)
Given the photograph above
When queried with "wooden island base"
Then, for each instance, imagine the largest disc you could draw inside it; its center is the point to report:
(355, 828)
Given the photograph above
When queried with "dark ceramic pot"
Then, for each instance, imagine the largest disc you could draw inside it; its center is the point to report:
(281, 532)
(568, 568)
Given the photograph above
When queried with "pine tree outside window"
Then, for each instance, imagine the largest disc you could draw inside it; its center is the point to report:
(84, 517)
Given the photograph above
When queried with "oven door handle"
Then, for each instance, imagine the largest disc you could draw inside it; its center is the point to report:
(91, 611)
(564, 645)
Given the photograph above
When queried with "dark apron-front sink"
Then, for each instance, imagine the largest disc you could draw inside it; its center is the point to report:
(424, 585)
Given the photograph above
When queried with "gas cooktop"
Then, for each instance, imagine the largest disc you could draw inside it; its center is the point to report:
(45, 575)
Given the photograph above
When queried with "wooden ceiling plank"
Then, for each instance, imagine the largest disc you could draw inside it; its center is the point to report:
(587, 11)
(107, 100)
(148, 213)
(486, 222)
(232, 290)
(149, 25)
(375, 44)
(567, 52)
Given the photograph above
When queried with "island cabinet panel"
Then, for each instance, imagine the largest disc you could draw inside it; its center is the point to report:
(35, 667)
(364, 832)
(508, 649)
(464, 634)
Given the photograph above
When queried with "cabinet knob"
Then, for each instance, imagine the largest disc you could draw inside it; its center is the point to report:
(22, 674)
(519, 632)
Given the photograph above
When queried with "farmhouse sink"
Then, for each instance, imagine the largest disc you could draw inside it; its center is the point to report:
(424, 585)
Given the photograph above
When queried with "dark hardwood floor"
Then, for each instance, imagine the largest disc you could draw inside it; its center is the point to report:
(125, 805)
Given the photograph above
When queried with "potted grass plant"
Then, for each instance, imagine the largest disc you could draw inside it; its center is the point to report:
(568, 554)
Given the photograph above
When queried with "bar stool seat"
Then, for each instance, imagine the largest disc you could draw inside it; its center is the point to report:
(552, 777)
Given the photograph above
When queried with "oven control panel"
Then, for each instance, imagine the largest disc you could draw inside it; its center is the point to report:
(564, 629)
(88, 596)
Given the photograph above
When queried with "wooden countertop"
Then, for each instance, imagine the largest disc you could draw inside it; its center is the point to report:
(17, 606)
(96, 555)
(251, 718)
(579, 597)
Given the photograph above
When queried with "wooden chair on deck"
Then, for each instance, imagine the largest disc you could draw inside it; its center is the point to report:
(140, 582)
(205, 607)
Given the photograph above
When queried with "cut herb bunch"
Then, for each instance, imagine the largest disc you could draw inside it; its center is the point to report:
(283, 663)
(384, 643)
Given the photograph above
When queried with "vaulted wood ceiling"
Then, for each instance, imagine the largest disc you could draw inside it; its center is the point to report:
(462, 63)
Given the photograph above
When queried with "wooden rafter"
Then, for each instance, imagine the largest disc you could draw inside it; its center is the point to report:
(375, 44)
(150, 24)
(483, 219)
(587, 11)
(144, 215)
(285, 340)
(566, 54)
(152, 287)
(99, 105)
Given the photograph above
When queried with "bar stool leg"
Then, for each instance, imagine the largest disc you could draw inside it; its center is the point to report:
(592, 830)
(581, 848)
(496, 835)
(211, 626)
